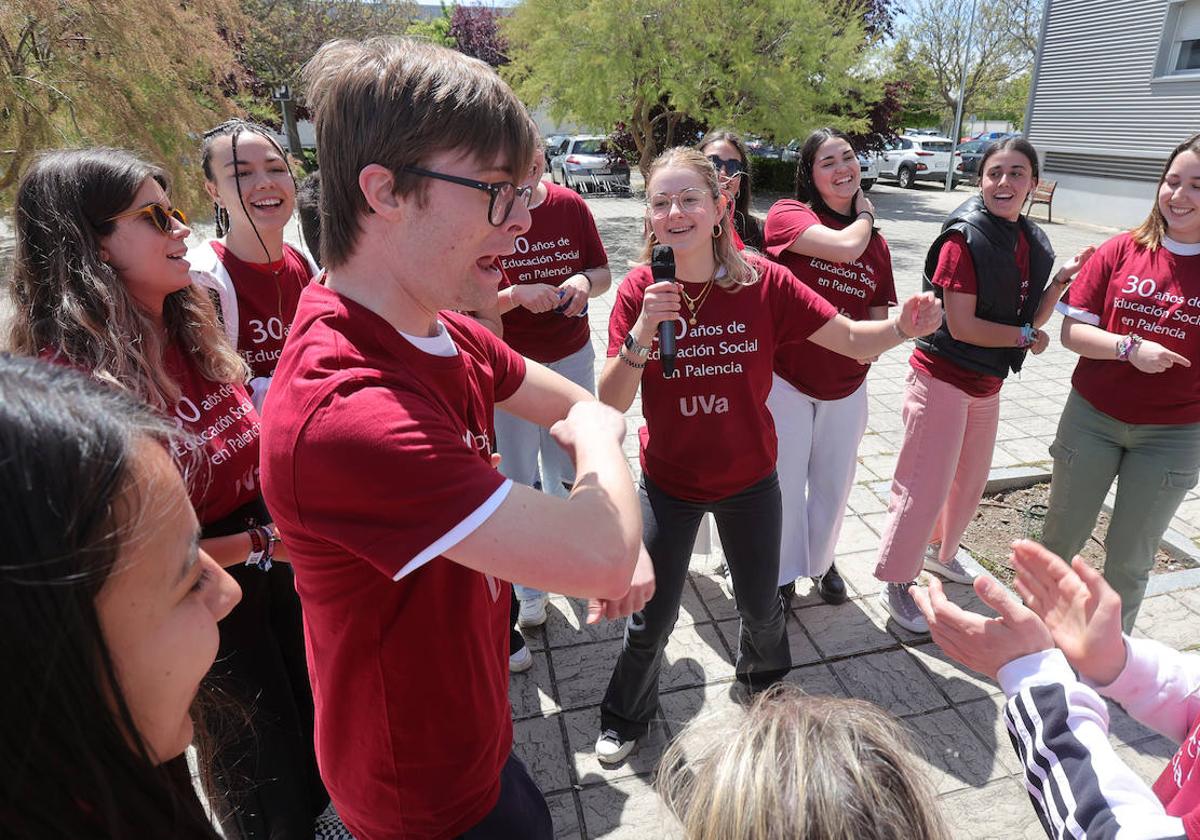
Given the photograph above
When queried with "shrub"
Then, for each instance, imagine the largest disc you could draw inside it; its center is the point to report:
(769, 175)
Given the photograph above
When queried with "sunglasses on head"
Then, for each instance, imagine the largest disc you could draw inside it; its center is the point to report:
(159, 215)
(732, 167)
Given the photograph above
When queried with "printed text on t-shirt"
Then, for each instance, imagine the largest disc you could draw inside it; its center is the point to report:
(542, 253)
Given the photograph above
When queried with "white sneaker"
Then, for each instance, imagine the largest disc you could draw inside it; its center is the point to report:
(952, 571)
(533, 612)
(610, 749)
(521, 661)
(902, 608)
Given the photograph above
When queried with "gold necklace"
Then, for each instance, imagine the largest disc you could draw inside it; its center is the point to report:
(694, 304)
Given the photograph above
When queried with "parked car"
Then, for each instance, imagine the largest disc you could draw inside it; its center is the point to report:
(791, 152)
(552, 142)
(758, 147)
(916, 157)
(971, 153)
(869, 164)
(588, 162)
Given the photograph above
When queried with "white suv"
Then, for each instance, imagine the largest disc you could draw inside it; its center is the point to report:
(916, 157)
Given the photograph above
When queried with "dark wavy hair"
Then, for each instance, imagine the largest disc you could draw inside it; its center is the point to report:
(72, 763)
(806, 189)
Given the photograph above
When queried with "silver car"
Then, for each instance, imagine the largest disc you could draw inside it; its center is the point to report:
(587, 162)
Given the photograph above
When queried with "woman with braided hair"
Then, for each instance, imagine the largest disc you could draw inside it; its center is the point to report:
(256, 276)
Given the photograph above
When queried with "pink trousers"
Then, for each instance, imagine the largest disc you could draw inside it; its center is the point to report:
(940, 475)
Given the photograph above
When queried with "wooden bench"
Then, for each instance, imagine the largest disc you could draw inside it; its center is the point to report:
(1044, 194)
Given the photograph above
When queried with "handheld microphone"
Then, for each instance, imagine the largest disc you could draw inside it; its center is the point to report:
(662, 266)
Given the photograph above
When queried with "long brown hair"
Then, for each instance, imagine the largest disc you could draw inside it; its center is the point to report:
(1149, 234)
(738, 272)
(69, 301)
(796, 766)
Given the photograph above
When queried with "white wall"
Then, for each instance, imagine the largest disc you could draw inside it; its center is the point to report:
(1111, 202)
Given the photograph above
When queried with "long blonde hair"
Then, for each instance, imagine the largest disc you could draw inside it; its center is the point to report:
(738, 272)
(69, 301)
(1149, 234)
(799, 768)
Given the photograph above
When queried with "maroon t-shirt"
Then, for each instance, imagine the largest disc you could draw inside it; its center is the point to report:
(561, 241)
(375, 461)
(267, 295)
(956, 271)
(1125, 288)
(218, 449)
(708, 432)
(852, 287)
(220, 452)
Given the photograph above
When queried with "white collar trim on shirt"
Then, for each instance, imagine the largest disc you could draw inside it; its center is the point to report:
(1181, 249)
(435, 345)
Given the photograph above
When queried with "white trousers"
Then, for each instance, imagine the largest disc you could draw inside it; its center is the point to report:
(818, 455)
(520, 442)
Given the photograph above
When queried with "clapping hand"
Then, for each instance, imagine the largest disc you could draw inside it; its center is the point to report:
(1078, 607)
(982, 644)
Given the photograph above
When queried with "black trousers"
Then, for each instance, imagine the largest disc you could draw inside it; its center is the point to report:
(265, 762)
(521, 810)
(749, 523)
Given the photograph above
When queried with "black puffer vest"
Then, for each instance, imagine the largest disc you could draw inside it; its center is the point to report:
(992, 243)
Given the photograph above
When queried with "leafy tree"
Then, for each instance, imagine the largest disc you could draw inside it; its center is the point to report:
(933, 47)
(435, 29)
(284, 34)
(124, 72)
(475, 33)
(778, 68)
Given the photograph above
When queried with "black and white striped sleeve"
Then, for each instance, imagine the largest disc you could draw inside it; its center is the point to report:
(1078, 786)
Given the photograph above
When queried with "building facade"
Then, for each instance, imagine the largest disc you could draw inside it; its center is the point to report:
(1116, 86)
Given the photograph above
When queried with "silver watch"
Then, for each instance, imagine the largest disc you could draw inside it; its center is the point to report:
(635, 348)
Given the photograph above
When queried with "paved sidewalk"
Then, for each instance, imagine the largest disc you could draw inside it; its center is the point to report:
(848, 650)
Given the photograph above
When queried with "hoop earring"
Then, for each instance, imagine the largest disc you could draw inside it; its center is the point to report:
(716, 232)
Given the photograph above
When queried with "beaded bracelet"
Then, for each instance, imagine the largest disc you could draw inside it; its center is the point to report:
(1126, 345)
(635, 365)
(1028, 337)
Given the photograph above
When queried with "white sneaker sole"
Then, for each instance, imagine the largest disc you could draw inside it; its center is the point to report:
(616, 756)
(520, 662)
(910, 626)
(947, 573)
(532, 618)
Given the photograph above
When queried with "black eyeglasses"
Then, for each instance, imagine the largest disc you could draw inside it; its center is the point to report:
(732, 167)
(502, 194)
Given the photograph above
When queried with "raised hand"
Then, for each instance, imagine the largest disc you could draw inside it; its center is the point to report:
(982, 644)
(1078, 607)
(1072, 267)
(862, 203)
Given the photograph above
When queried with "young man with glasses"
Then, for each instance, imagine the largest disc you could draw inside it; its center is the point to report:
(377, 450)
(558, 264)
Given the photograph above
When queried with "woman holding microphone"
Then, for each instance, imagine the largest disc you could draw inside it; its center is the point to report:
(709, 443)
